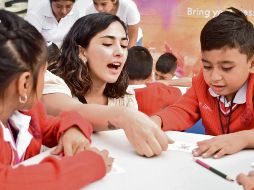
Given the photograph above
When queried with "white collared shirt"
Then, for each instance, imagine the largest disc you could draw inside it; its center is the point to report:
(45, 22)
(240, 97)
(21, 123)
(127, 11)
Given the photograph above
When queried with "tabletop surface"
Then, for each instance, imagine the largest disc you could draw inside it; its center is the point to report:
(173, 169)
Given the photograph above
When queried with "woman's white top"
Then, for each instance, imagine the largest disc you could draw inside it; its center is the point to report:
(43, 19)
(55, 84)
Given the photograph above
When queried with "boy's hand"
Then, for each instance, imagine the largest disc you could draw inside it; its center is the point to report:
(71, 142)
(105, 156)
(247, 181)
(220, 146)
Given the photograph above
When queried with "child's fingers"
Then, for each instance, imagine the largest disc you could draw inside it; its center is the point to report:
(241, 178)
(211, 151)
(67, 149)
(58, 150)
(200, 143)
(200, 150)
(220, 153)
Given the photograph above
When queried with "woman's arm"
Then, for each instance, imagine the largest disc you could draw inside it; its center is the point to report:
(142, 133)
(133, 34)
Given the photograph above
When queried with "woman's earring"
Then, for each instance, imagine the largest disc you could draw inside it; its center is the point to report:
(23, 99)
(83, 58)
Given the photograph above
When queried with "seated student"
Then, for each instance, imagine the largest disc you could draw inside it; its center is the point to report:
(92, 66)
(24, 127)
(151, 97)
(165, 69)
(53, 19)
(222, 93)
(126, 10)
(53, 53)
(247, 181)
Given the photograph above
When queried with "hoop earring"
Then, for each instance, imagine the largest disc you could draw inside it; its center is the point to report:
(23, 99)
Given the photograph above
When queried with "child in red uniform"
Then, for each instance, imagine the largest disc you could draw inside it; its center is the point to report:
(165, 67)
(222, 93)
(151, 97)
(22, 132)
(247, 181)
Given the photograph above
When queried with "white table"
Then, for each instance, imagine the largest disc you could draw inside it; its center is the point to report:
(172, 170)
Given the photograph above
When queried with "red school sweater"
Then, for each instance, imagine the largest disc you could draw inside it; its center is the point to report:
(156, 96)
(198, 103)
(67, 173)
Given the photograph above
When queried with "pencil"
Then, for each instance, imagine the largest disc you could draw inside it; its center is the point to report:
(213, 170)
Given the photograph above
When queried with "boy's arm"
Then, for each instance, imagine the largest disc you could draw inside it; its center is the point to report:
(181, 115)
(67, 173)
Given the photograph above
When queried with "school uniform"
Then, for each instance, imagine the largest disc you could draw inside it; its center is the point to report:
(22, 137)
(153, 97)
(201, 102)
(43, 19)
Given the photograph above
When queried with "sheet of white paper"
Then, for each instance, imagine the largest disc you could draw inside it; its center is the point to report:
(116, 169)
(182, 146)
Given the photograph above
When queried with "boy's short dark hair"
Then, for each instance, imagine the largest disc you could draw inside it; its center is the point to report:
(230, 29)
(53, 54)
(166, 63)
(139, 63)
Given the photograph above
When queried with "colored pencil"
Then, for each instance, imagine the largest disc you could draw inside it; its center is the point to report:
(213, 170)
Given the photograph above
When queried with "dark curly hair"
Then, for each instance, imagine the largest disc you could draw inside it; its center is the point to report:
(73, 70)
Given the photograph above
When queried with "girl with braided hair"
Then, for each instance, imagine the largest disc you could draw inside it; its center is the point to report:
(24, 126)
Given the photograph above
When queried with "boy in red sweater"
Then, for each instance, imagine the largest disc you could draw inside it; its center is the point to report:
(139, 65)
(222, 93)
(22, 132)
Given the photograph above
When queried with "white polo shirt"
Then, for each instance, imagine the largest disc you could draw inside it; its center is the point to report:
(45, 22)
(127, 11)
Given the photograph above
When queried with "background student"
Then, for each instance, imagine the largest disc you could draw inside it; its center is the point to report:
(126, 10)
(53, 54)
(222, 93)
(165, 67)
(100, 41)
(165, 71)
(53, 19)
(139, 68)
(24, 127)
